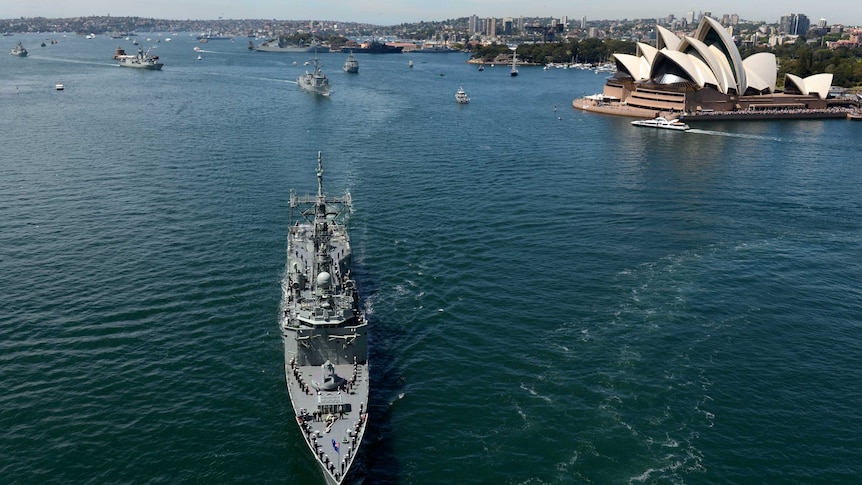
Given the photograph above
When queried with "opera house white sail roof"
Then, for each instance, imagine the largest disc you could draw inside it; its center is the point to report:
(710, 58)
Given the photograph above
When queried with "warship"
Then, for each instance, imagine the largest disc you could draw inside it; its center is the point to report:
(324, 332)
(315, 82)
(140, 61)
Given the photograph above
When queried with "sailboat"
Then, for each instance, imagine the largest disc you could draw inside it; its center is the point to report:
(514, 59)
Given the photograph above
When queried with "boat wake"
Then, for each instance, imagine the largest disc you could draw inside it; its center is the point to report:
(733, 135)
(73, 61)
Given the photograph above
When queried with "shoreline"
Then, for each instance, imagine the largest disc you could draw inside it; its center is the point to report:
(592, 106)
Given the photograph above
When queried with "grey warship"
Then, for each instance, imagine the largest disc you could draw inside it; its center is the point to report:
(324, 332)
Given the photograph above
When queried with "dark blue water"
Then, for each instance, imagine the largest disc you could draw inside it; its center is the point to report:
(556, 297)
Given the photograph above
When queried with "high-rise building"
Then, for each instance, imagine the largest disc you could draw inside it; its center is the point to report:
(794, 24)
(490, 26)
(473, 25)
(584, 22)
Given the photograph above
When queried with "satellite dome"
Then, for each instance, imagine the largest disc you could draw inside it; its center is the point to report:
(324, 279)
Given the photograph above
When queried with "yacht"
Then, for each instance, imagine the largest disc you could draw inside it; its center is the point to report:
(461, 96)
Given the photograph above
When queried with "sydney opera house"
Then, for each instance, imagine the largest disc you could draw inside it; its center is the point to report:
(705, 73)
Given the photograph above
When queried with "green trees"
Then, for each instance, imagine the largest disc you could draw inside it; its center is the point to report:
(592, 51)
(801, 59)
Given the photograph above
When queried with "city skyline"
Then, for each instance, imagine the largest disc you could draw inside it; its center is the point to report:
(410, 11)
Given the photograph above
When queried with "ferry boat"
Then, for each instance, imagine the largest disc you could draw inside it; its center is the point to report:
(324, 332)
(662, 123)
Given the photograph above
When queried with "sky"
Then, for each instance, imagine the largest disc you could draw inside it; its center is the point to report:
(389, 12)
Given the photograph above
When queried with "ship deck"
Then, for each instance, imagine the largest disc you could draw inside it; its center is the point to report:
(321, 429)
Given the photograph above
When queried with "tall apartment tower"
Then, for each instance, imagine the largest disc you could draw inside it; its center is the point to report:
(473, 25)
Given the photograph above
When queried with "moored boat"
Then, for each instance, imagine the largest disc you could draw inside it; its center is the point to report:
(662, 123)
(314, 81)
(280, 45)
(376, 47)
(324, 332)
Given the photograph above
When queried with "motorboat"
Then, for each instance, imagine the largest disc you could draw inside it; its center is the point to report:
(461, 96)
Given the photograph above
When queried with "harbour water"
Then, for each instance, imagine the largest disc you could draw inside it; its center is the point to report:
(555, 297)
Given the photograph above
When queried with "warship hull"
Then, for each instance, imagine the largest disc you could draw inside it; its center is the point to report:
(324, 332)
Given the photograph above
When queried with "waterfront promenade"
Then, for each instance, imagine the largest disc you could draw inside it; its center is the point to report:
(594, 105)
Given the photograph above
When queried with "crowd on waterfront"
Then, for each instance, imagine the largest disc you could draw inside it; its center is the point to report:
(791, 112)
(596, 105)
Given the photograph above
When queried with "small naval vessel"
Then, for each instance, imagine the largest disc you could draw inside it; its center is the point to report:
(140, 61)
(351, 64)
(324, 332)
(18, 50)
(314, 81)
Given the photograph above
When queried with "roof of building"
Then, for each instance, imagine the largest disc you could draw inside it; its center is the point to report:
(710, 58)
